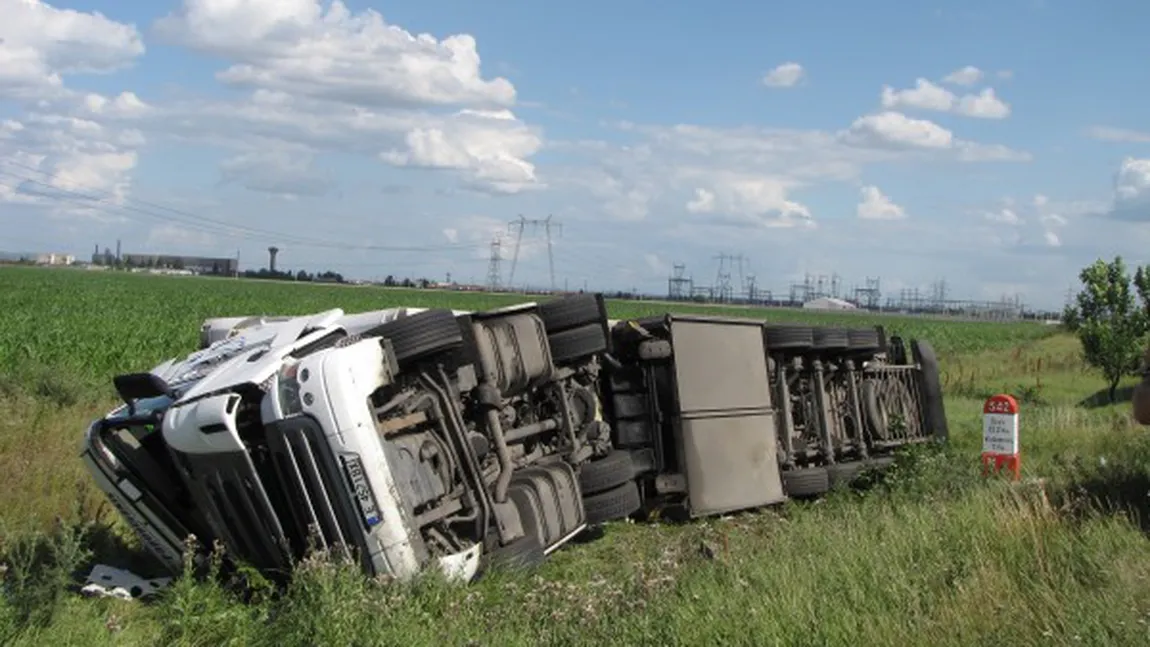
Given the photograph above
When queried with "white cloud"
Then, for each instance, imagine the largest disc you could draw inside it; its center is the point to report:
(125, 104)
(924, 96)
(287, 172)
(1106, 133)
(55, 155)
(491, 147)
(785, 75)
(39, 44)
(332, 80)
(696, 177)
(1132, 190)
(896, 129)
(965, 76)
(1037, 221)
(874, 205)
(984, 105)
(303, 48)
(1005, 215)
(703, 202)
(749, 199)
(75, 166)
(929, 96)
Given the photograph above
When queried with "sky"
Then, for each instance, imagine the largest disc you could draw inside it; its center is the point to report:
(999, 146)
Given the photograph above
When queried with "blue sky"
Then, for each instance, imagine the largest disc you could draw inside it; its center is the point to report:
(1000, 146)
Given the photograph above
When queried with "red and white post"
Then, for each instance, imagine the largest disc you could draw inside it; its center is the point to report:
(1000, 445)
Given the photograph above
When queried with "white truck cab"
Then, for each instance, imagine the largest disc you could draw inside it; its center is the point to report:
(287, 434)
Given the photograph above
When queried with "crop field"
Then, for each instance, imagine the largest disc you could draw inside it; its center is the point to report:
(931, 554)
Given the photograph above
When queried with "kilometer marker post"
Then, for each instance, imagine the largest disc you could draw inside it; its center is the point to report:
(1000, 444)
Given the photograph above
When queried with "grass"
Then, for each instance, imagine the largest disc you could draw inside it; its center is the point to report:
(930, 554)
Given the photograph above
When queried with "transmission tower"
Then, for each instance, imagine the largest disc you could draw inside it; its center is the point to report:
(518, 226)
(678, 285)
(493, 273)
(723, 289)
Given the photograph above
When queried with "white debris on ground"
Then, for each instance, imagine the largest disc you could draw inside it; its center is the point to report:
(107, 581)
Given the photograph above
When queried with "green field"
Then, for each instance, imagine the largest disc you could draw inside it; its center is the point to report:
(933, 554)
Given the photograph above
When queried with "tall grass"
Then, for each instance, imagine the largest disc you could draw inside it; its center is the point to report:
(929, 553)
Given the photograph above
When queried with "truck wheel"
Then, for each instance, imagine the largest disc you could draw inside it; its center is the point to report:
(524, 553)
(577, 343)
(571, 312)
(421, 335)
(806, 482)
(831, 339)
(872, 410)
(844, 473)
(608, 472)
(863, 339)
(789, 337)
(616, 503)
(897, 400)
(934, 412)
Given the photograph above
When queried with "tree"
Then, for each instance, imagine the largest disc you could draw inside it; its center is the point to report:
(1110, 322)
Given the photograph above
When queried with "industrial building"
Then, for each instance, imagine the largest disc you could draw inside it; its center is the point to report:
(196, 264)
(39, 258)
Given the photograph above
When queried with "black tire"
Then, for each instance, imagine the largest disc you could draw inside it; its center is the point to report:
(421, 335)
(524, 553)
(844, 473)
(789, 337)
(831, 339)
(577, 343)
(608, 472)
(930, 389)
(617, 503)
(572, 312)
(806, 482)
(864, 339)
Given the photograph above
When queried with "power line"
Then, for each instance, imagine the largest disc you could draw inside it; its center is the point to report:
(205, 224)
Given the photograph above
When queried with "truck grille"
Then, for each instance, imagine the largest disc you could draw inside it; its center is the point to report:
(272, 510)
(237, 506)
(314, 498)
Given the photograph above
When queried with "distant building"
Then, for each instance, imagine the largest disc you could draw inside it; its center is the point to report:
(829, 303)
(40, 258)
(195, 264)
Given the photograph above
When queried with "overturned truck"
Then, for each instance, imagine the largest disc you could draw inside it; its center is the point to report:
(414, 438)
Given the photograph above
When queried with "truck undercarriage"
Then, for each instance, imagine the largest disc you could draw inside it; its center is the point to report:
(413, 438)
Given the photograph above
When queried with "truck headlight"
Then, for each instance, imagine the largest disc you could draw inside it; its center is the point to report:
(287, 389)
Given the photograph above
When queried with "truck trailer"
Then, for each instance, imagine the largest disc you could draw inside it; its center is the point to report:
(411, 438)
